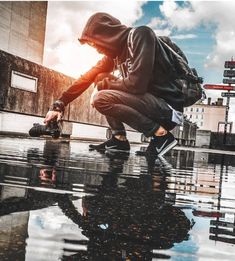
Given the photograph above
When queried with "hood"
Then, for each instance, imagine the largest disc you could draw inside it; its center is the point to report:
(105, 31)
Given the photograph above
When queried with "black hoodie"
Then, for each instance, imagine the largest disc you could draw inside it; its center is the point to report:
(140, 58)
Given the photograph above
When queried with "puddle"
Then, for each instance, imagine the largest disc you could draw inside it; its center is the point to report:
(58, 201)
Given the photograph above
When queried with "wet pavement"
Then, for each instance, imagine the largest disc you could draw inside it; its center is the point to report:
(58, 201)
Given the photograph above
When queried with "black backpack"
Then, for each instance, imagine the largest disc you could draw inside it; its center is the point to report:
(176, 66)
(179, 70)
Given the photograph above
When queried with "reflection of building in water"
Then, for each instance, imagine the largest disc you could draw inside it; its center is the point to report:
(13, 227)
(187, 179)
(72, 168)
(222, 228)
(204, 180)
(13, 173)
(13, 231)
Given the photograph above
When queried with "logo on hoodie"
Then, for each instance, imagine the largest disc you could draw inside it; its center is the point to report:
(125, 68)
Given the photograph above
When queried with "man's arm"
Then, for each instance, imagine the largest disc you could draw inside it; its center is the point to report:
(77, 88)
(82, 83)
(142, 63)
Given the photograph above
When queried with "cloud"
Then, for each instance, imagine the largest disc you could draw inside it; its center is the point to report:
(180, 17)
(184, 36)
(219, 14)
(65, 21)
(162, 32)
(160, 26)
(157, 22)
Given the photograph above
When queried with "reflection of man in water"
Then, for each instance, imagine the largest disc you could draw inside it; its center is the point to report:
(125, 219)
(129, 217)
(50, 160)
(47, 176)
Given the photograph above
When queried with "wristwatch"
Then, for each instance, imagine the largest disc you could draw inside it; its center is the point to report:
(58, 106)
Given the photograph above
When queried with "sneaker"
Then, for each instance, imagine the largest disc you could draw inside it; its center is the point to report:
(160, 145)
(112, 144)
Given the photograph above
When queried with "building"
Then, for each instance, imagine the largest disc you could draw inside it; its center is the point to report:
(209, 116)
(22, 29)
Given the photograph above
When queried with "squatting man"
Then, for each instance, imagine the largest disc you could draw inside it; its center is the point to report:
(145, 96)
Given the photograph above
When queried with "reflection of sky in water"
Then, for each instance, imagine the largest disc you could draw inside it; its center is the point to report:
(190, 246)
(47, 229)
(192, 182)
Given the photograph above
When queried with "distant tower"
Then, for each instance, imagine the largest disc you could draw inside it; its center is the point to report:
(22, 29)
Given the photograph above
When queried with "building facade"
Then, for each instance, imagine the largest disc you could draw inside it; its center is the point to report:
(209, 116)
(22, 29)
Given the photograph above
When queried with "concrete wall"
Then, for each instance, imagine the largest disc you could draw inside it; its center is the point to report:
(22, 28)
(19, 109)
(203, 138)
(185, 134)
(50, 85)
(217, 141)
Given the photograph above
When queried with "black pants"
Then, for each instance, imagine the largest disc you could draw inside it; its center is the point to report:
(144, 113)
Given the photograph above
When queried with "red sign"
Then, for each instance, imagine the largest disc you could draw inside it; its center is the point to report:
(199, 213)
(218, 87)
(229, 64)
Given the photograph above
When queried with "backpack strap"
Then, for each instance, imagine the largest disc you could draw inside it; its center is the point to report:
(171, 49)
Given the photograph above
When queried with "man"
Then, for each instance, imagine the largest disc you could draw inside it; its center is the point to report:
(147, 97)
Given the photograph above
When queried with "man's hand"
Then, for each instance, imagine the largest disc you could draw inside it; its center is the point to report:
(101, 76)
(52, 115)
(102, 85)
(102, 79)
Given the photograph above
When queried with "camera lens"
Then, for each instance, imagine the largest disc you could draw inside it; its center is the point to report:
(37, 130)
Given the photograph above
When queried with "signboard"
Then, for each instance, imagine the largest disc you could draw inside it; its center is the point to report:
(229, 64)
(229, 81)
(229, 73)
(23, 81)
(228, 94)
(219, 87)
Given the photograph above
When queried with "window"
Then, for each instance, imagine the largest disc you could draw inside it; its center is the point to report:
(202, 109)
(197, 110)
(191, 109)
(23, 81)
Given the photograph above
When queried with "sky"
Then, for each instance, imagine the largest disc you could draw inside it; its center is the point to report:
(204, 30)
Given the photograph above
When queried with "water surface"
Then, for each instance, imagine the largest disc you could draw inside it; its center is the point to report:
(58, 201)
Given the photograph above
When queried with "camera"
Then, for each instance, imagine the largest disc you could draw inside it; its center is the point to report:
(53, 129)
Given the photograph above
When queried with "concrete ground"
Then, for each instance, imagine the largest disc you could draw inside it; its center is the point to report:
(60, 201)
